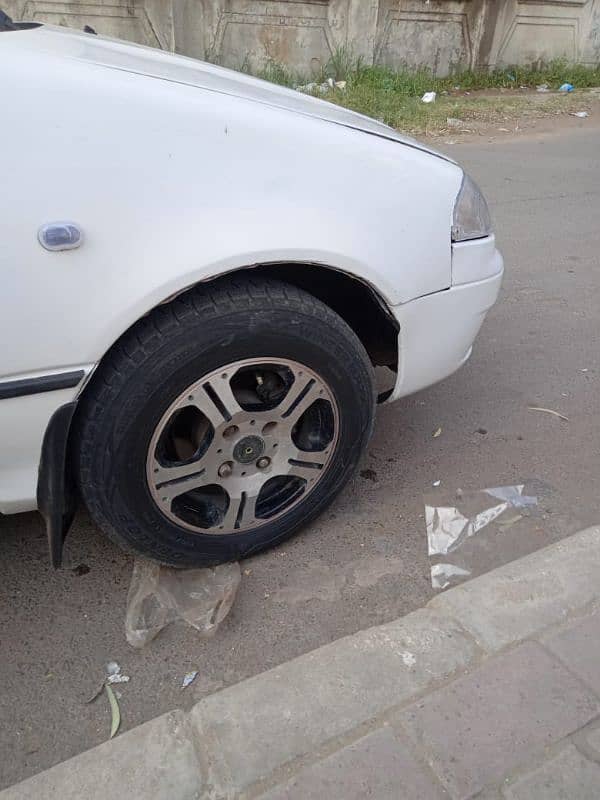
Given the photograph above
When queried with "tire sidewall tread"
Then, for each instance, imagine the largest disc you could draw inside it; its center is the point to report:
(175, 345)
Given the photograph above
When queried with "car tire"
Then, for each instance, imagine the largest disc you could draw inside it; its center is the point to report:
(134, 421)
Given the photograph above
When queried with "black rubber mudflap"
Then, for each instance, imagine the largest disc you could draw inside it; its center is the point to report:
(56, 495)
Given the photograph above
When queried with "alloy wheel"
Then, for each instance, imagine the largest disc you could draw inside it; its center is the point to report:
(242, 445)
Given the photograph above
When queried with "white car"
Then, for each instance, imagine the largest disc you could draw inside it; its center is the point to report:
(199, 272)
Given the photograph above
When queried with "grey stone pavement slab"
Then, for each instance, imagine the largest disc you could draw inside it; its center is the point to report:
(483, 725)
(567, 776)
(579, 647)
(593, 741)
(325, 694)
(490, 691)
(380, 765)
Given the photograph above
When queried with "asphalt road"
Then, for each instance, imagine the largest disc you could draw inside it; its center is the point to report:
(365, 561)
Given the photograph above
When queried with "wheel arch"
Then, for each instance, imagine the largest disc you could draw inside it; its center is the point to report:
(355, 300)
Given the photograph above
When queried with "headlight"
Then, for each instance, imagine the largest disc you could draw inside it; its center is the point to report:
(471, 214)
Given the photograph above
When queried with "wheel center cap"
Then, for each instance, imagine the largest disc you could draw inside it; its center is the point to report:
(248, 449)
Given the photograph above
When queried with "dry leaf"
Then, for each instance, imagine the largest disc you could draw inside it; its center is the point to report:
(506, 523)
(96, 694)
(114, 711)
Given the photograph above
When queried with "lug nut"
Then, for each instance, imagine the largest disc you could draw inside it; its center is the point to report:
(225, 470)
(263, 462)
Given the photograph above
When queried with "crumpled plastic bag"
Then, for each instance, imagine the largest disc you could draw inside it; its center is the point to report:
(160, 595)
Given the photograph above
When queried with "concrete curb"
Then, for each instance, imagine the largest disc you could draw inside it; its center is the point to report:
(256, 734)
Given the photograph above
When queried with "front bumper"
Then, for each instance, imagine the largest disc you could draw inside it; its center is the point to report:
(437, 331)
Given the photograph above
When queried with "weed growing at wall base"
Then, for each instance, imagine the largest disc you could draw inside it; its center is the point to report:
(394, 96)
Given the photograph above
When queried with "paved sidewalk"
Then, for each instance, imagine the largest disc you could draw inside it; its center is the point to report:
(491, 691)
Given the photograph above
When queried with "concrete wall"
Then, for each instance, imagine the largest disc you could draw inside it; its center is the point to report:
(303, 34)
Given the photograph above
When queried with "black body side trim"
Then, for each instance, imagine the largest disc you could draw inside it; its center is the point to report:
(45, 383)
(56, 495)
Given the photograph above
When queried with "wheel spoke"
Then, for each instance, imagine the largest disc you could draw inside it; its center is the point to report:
(216, 400)
(248, 516)
(170, 482)
(181, 472)
(307, 465)
(300, 397)
(241, 512)
(231, 515)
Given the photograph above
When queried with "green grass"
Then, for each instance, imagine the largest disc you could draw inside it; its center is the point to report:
(415, 82)
(394, 96)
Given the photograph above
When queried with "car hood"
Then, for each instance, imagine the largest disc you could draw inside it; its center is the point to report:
(150, 62)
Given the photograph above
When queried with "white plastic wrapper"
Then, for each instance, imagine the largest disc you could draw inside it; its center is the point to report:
(448, 526)
(483, 529)
(160, 595)
(442, 575)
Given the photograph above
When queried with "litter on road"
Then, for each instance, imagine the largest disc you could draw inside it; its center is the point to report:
(113, 673)
(549, 411)
(448, 526)
(322, 87)
(566, 87)
(580, 114)
(160, 595)
(189, 678)
(476, 527)
(429, 97)
(442, 574)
